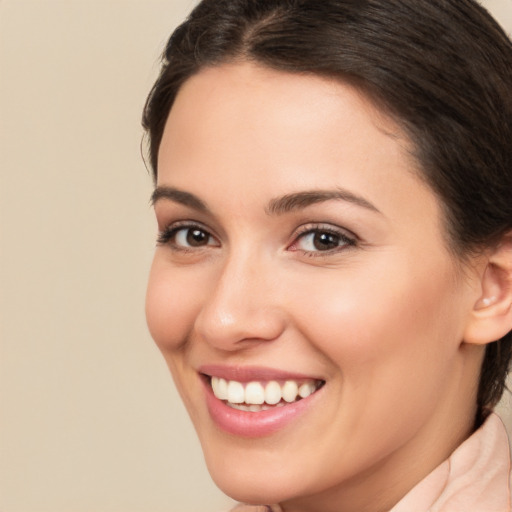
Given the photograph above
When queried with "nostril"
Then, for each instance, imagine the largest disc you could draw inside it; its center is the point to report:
(238, 328)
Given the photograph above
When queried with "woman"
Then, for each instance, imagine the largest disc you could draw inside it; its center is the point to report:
(332, 285)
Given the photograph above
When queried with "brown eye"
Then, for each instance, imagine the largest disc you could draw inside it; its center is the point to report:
(197, 237)
(192, 237)
(322, 240)
(325, 241)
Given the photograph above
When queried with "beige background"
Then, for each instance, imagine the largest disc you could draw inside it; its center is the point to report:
(89, 419)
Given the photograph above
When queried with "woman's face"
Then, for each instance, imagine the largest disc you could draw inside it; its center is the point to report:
(299, 254)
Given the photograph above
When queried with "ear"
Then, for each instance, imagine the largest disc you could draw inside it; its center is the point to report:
(491, 317)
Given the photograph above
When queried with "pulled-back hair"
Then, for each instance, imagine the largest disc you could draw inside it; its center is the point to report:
(441, 68)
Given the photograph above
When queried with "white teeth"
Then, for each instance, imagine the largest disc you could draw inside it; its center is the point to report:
(242, 407)
(290, 391)
(220, 388)
(255, 396)
(254, 408)
(306, 389)
(254, 393)
(273, 392)
(236, 394)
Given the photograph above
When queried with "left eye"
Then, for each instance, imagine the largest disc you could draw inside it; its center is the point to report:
(193, 237)
(321, 241)
(186, 237)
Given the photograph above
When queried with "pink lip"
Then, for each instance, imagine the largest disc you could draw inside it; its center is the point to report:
(253, 424)
(250, 373)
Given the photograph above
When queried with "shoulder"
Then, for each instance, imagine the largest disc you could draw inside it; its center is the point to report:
(475, 477)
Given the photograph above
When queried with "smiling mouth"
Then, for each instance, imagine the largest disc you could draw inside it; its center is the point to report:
(256, 396)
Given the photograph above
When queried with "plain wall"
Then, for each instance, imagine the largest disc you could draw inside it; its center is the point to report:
(89, 418)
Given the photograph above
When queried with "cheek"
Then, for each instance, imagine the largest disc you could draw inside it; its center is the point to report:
(172, 303)
(384, 322)
(171, 306)
(388, 343)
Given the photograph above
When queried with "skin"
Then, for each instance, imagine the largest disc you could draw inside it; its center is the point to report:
(381, 319)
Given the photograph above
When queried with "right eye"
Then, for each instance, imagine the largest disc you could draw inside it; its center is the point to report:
(187, 237)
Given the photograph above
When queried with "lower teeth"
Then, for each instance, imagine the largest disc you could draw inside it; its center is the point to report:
(254, 408)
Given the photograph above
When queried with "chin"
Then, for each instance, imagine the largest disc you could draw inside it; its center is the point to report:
(254, 487)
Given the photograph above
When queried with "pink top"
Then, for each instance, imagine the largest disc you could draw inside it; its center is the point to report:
(476, 477)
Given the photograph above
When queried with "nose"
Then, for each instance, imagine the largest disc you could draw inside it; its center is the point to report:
(242, 306)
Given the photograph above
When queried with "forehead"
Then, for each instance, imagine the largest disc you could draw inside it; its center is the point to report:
(232, 89)
(246, 101)
(241, 132)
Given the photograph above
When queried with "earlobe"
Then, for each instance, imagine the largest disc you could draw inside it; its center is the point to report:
(491, 317)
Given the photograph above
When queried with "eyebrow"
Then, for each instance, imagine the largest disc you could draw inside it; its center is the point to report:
(278, 206)
(178, 196)
(298, 200)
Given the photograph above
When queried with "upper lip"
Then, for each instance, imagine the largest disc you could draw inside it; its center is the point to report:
(251, 373)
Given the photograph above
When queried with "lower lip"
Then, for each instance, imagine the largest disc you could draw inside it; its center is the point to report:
(254, 424)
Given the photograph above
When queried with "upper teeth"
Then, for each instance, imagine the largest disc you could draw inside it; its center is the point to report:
(256, 393)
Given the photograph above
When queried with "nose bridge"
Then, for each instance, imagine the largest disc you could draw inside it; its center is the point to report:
(241, 304)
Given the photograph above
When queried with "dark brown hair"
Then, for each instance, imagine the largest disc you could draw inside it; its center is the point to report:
(441, 68)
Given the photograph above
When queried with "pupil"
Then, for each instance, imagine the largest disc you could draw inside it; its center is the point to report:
(196, 237)
(324, 241)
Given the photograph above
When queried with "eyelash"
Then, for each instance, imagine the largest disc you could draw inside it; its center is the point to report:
(168, 234)
(167, 237)
(345, 240)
